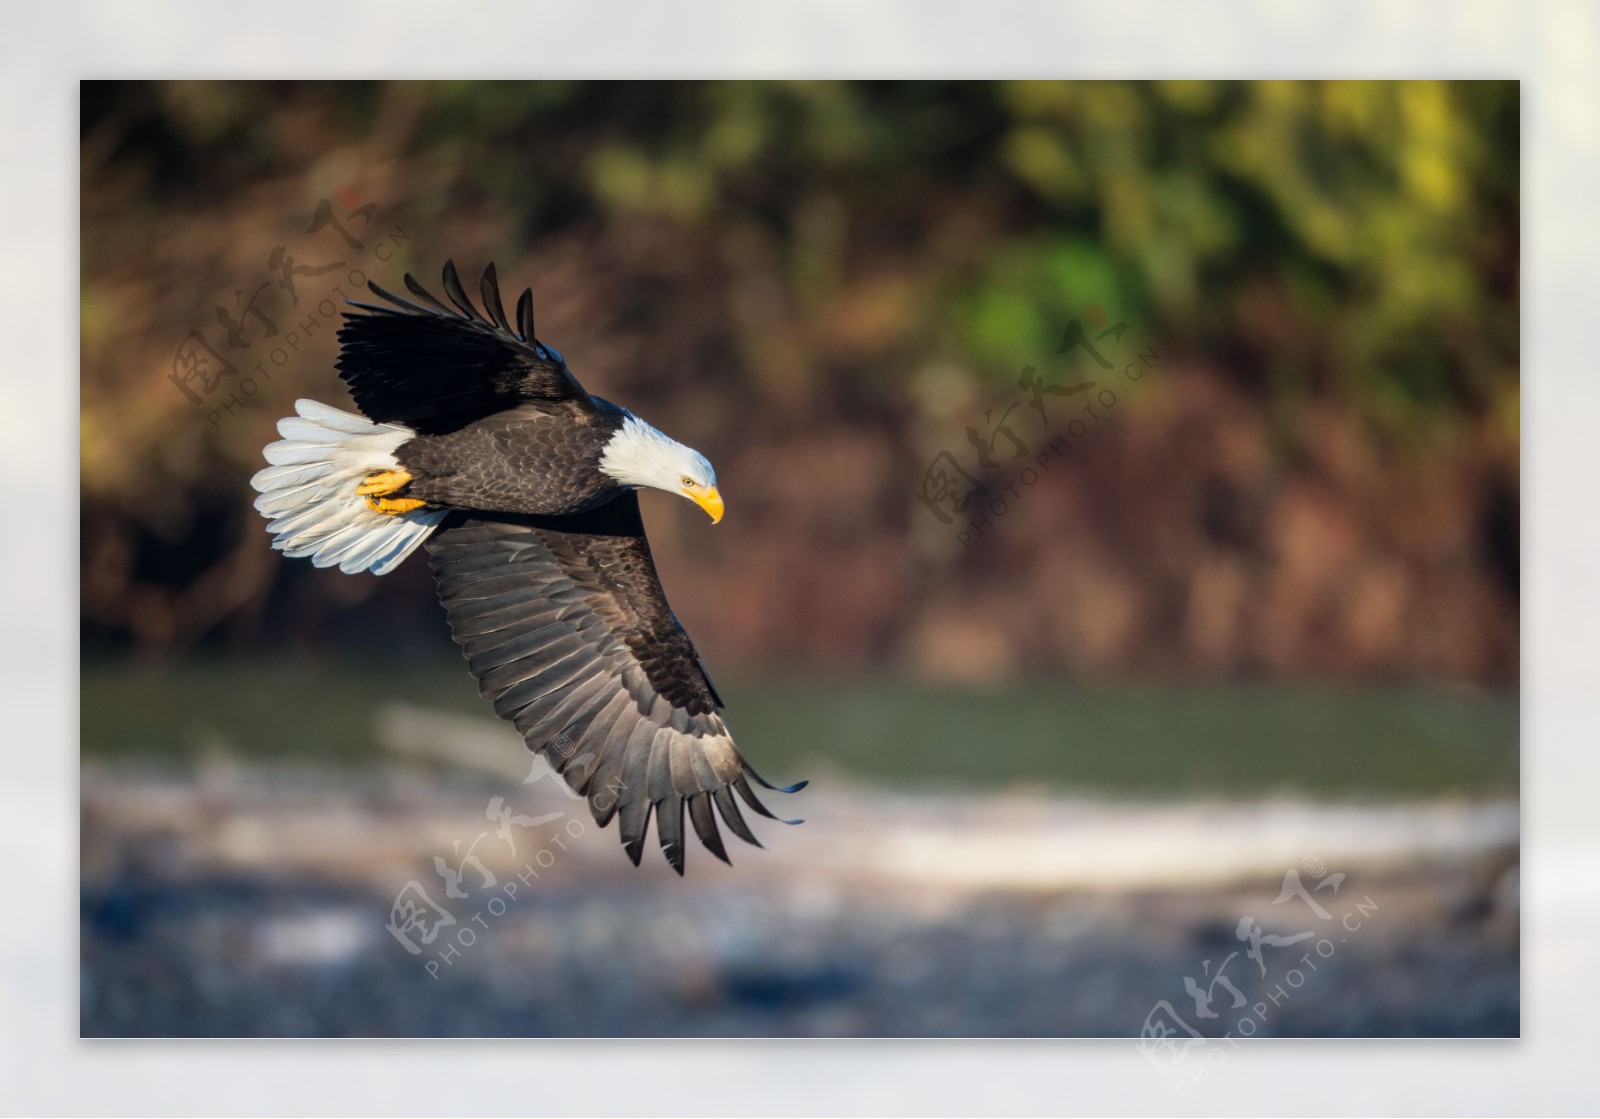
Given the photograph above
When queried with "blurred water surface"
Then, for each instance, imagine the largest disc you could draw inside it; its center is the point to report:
(1192, 741)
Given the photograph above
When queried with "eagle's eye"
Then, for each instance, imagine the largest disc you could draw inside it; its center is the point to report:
(688, 483)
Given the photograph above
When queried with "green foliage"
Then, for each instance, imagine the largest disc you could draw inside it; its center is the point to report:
(1353, 238)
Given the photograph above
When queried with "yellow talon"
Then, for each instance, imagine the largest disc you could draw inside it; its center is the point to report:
(384, 481)
(380, 484)
(395, 505)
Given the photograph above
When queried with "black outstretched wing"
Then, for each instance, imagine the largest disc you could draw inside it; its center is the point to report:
(564, 623)
(436, 368)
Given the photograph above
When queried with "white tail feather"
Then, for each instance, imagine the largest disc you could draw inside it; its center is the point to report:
(308, 493)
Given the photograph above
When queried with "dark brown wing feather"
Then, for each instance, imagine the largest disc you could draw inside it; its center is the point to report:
(435, 368)
(564, 623)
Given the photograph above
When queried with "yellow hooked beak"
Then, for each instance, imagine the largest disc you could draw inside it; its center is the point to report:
(708, 499)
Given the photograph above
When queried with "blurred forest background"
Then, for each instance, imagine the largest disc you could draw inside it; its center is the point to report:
(1123, 513)
(823, 286)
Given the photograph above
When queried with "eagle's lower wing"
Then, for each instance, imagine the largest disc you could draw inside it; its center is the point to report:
(436, 368)
(564, 623)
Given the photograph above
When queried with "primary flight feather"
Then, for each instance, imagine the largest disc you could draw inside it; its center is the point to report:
(477, 441)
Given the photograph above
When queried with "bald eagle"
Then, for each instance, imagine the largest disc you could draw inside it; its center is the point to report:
(476, 440)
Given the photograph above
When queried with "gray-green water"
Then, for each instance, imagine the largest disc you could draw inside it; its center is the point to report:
(1233, 740)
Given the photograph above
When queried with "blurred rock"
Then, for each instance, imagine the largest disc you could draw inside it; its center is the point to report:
(883, 916)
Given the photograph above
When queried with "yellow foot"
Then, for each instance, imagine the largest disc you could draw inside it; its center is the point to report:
(395, 505)
(384, 481)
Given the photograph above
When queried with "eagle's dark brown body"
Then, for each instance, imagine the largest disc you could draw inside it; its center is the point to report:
(540, 457)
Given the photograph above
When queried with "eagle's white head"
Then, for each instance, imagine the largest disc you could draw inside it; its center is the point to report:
(639, 455)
